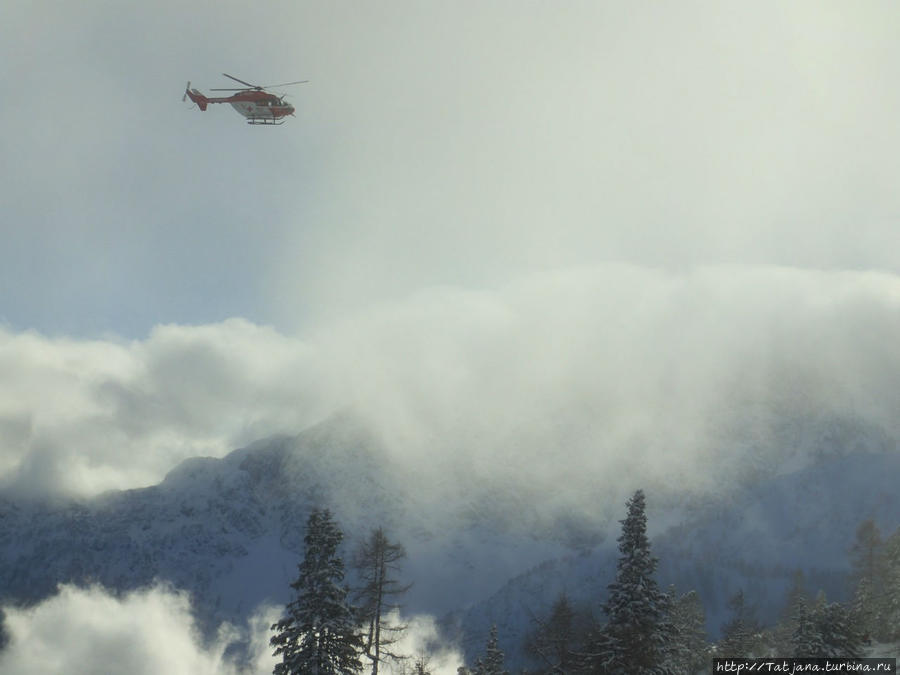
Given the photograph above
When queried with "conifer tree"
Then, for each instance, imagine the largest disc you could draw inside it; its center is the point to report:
(891, 600)
(420, 667)
(787, 619)
(553, 643)
(866, 551)
(840, 636)
(492, 663)
(740, 633)
(4, 635)
(637, 636)
(806, 640)
(378, 561)
(826, 630)
(866, 559)
(318, 634)
(690, 651)
(867, 608)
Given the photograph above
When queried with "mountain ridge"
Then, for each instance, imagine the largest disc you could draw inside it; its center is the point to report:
(230, 532)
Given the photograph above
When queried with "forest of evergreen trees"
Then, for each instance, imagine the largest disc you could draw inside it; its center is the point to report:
(329, 629)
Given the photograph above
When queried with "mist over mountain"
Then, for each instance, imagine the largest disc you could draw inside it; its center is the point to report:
(490, 432)
(753, 539)
(580, 376)
(507, 264)
(230, 531)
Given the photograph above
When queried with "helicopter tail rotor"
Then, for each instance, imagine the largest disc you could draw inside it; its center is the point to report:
(195, 96)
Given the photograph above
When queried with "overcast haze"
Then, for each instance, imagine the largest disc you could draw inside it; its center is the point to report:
(462, 143)
(564, 243)
(491, 228)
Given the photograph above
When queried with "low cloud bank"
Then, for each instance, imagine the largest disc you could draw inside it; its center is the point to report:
(152, 632)
(86, 630)
(420, 641)
(599, 370)
(86, 416)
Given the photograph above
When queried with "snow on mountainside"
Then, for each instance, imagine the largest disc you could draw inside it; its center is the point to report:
(230, 531)
(755, 539)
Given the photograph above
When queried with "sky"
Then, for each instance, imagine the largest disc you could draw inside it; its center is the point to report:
(465, 144)
(571, 240)
(488, 222)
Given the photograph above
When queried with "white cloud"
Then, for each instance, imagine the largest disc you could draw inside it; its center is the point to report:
(591, 370)
(148, 632)
(85, 416)
(622, 368)
(152, 632)
(421, 640)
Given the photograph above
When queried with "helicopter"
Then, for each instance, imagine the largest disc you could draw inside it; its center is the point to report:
(251, 101)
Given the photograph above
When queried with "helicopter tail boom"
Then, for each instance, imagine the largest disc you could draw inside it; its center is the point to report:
(196, 97)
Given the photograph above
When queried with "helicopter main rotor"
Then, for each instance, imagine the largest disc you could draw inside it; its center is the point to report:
(254, 87)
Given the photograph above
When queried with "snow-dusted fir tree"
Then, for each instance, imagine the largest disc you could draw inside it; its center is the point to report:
(421, 665)
(867, 561)
(318, 634)
(553, 643)
(637, 637)
(782, 635)
(690, 651)
(891, 601)
(740, 634)
(839, 633)
(492, 663)
(378, 563)
(806, 640)
(826, 630)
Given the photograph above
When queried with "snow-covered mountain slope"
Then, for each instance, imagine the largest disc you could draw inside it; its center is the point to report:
(753, 539)
(230, 530)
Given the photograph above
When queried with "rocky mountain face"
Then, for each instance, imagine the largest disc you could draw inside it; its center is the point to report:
(230, 531)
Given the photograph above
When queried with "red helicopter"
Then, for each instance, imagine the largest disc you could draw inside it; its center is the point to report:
(251, 101)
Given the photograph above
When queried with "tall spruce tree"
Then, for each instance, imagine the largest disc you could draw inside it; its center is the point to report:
(891, 601)
(826, 630)
(838, 630)
(421, 665)
(492, 663)
(806, 640)
(782, 635)
(378, 562)
(690, 650)
(638, 636)
(553, 643)
(867, 562)
(318, 634)
(740, 634)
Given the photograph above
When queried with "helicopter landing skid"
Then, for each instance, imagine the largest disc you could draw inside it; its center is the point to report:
(265, 120)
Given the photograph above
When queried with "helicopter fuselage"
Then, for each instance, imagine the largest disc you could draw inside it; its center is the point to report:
(259, 107)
